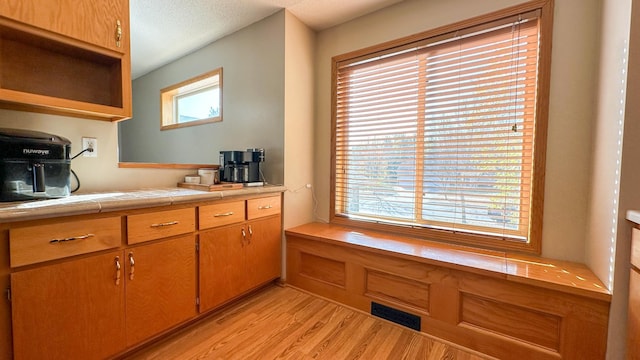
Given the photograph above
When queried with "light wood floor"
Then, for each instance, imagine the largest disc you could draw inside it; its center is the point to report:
(285, 323)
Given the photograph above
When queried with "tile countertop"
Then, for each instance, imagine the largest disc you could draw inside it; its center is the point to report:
(634, 216)
(93, 203)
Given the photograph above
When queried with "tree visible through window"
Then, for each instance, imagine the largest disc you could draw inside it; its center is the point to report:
(440, 133)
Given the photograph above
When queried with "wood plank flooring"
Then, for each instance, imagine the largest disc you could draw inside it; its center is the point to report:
(285, 323)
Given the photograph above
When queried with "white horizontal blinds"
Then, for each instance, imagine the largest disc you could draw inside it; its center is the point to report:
(376, 137)
(441, 135)
(479, 122)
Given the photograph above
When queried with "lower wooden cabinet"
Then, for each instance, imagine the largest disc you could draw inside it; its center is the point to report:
(237, 258)
(264, 251)
(94, 287)
(82, 315)
(221, 265)
(160, 283)
(71, 310)
(633, 319)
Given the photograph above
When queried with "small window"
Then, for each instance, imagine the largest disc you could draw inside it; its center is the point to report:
(192, 102)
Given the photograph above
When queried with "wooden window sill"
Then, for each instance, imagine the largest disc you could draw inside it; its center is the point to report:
(563, 276)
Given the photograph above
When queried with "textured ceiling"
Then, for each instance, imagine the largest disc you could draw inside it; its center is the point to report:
(165, 30)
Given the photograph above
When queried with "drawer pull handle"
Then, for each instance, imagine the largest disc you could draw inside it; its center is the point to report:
(118, 267)
(165, 224)
(265, 207)
(224, 214)
(73, 238)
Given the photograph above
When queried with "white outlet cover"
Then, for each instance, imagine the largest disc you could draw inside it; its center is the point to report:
(89, 142)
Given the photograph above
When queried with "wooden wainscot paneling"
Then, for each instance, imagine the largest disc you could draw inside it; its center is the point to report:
(482, 308)
(326, 274)
(322, 269)
(509, 320)
(397, 290)
(516, 310)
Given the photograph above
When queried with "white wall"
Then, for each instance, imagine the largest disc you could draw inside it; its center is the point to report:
(574, 65)
(298, 121)
(615, 172)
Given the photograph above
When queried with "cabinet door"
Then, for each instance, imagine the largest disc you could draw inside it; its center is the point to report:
(160, 285)
(222, 272)
(92, 21)
(71, 310)
(633, 325)
(263, 254)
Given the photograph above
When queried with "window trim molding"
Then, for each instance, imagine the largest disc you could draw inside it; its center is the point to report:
(169, 110)
(534, 245)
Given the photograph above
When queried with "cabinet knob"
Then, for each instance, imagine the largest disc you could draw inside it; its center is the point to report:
(118, 33)
(250, 234)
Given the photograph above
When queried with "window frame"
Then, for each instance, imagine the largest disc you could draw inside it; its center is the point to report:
(170, 95)
(534, 243)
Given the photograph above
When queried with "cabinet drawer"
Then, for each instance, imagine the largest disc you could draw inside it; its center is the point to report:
(160, 224)
(635, 248)
(33, 244)
(221, 214)
(257, 208)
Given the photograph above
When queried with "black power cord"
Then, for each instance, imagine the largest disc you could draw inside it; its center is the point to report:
(77, 181)
(82, 152)
(74, 173)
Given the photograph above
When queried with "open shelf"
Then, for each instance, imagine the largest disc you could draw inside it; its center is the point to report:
(47, 74)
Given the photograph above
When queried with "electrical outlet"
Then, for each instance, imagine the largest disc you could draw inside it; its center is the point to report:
(90, 143)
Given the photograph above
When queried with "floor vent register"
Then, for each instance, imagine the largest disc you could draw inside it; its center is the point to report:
(397, 316)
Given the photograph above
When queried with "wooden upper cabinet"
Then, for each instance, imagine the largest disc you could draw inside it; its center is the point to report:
(63, 57)
(93, 21)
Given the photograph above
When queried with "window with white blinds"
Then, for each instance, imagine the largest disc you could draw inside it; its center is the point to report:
(439, 133)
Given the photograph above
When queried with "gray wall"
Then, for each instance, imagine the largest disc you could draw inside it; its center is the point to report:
(253, 103)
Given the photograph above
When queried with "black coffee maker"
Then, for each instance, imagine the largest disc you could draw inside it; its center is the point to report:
(33, 165)
(241, 166)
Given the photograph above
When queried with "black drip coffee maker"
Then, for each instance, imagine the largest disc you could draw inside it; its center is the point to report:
(242, 166)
